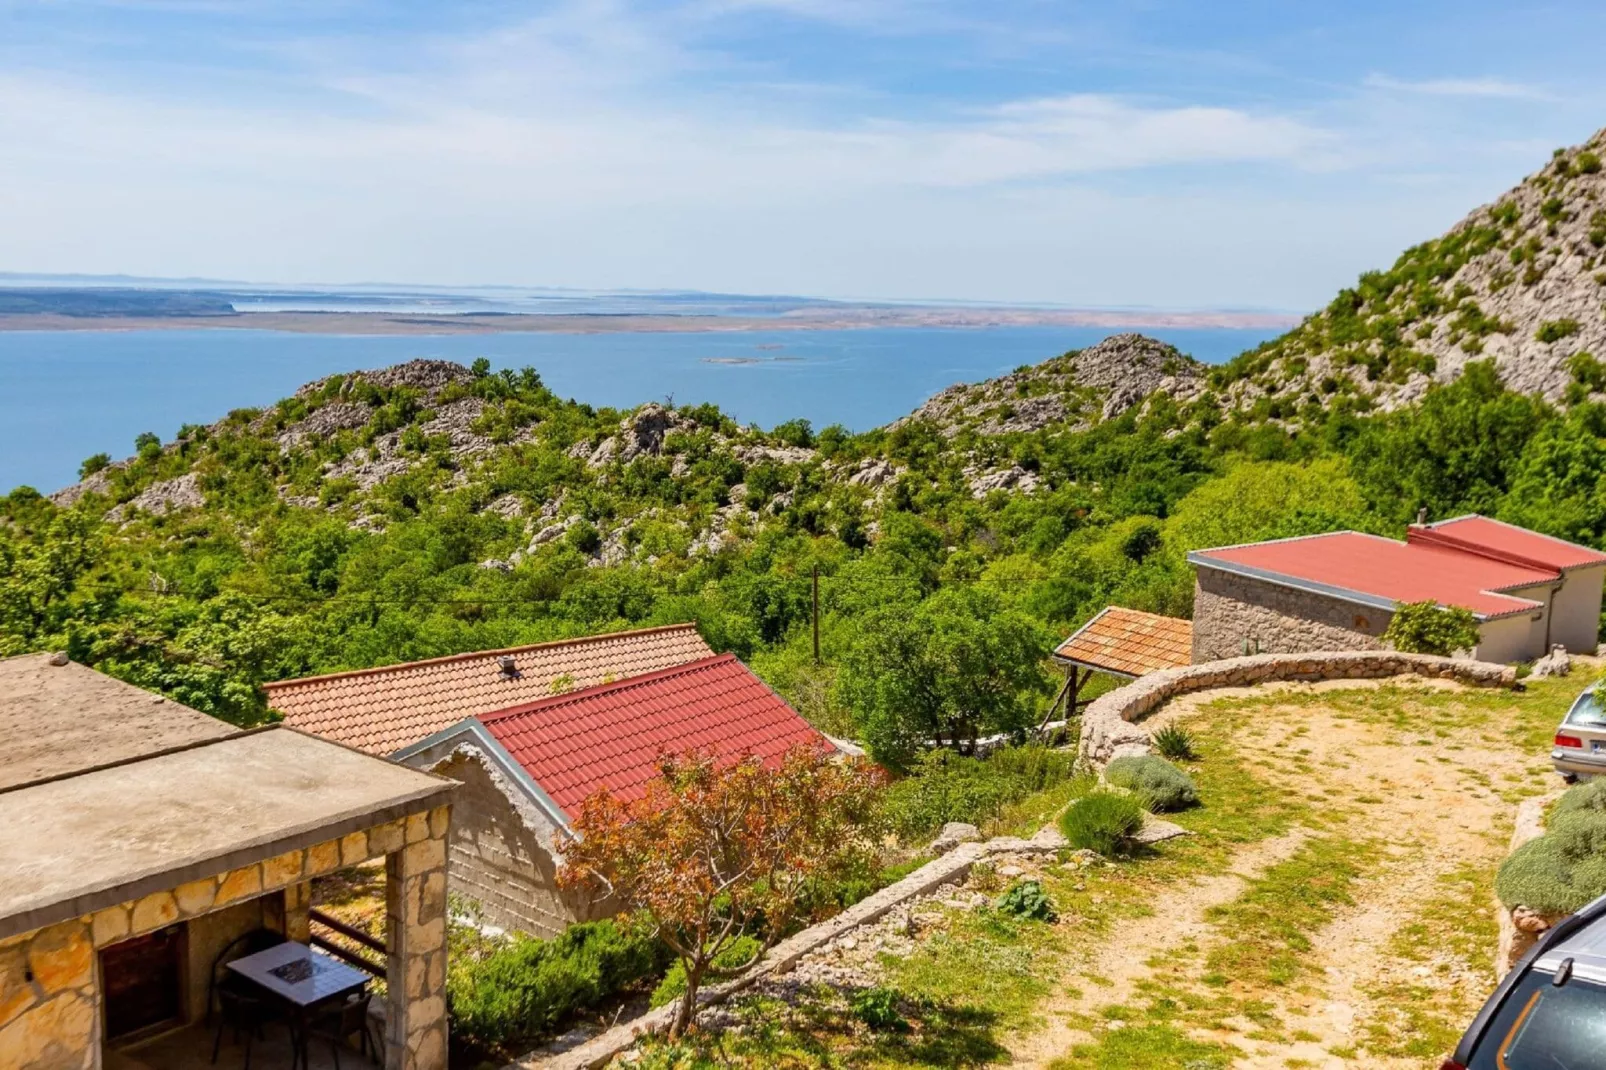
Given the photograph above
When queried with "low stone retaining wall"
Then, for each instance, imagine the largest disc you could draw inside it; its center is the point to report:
(951, 867)
(1108, 732)
(1521, 928)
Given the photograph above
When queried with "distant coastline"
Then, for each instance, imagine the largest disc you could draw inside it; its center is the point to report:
(813, 319)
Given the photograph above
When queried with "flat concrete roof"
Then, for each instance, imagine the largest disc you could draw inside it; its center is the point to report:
(82, 842)
(60, 719)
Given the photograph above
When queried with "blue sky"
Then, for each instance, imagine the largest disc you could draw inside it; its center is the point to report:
(1180, 155)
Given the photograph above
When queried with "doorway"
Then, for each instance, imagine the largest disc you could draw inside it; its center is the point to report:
(143, 981)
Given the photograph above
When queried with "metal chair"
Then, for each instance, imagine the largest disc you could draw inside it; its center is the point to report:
(236, 1001)
(338, 1023)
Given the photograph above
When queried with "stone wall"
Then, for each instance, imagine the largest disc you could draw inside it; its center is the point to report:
(50, 997)
(950, 868)
(1107, 731)
(1230, 611)
(500, 862)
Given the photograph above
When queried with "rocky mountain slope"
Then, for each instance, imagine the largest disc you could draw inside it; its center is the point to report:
(1521, 281)
(1080, 388)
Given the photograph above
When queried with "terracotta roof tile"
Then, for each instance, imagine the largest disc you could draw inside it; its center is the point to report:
(1130, 642)
(611, 736)
(382, 710)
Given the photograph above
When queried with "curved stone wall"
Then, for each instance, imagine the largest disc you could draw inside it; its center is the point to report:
(1108, 732)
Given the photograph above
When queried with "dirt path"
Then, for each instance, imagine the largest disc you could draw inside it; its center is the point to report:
(1179, 918)
(1421, 792)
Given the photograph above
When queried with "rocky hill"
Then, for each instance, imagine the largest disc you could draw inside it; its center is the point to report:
(1080, 388)
(1521, 282)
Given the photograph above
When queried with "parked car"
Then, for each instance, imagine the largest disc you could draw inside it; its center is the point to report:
(1550, 1010)
(1580, 747)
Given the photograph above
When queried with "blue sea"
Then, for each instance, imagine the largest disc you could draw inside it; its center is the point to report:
(65, 395)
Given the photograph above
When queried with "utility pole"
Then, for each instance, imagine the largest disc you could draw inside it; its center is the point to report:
(816, 614)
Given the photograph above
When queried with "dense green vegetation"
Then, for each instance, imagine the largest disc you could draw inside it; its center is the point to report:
(936, 605)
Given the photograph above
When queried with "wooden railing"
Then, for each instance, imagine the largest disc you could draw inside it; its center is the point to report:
(357, 936)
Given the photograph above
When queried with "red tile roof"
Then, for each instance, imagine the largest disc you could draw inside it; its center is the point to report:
(1382, 571)
(611, 736)
(1502, 541)
(382, 710)
(1130, 642)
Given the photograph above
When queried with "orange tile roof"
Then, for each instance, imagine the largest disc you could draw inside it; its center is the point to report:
(1130, 642)
(382, 710)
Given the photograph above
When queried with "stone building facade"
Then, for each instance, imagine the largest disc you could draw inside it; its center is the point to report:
(140, 838)
(50, 985)
(1237, 615)
(502, 853)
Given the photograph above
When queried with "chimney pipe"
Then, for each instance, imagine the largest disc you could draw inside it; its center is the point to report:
(1422, 516)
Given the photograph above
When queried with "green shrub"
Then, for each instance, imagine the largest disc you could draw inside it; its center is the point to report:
(1160, 785)
(1174, 742)
(1027, 900)
(734, 956)
(526, 987)
(1556, 330)
(878, 1009)
(1587, 163)
(1589, 797)
(93, 464)
(1561, 870)
(583, 537)
(945, 786)
(1104, 822)
(1427, 628)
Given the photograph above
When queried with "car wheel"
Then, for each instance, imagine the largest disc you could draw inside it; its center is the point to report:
(1569, 778)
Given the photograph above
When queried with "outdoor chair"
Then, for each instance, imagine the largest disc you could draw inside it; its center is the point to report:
(246, 1013)
(340, 1022)
(238, 1003)
(222, 977)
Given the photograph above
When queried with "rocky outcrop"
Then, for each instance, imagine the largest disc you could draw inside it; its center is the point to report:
(1013, 478)
(1108, 731)
(640, 434)
(161, 498)
(1080, 388)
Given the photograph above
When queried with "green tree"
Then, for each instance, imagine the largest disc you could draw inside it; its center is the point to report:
(93, 464)
(959, 666)
(1559, 485)
(1268, 499)
(1455, 453)
(1428, 628)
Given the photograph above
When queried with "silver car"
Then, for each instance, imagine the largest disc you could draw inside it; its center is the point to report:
(1580, 748)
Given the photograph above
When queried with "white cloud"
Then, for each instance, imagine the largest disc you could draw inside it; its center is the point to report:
(1498, 88)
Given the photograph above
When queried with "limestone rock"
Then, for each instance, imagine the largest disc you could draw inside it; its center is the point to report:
(161, 498)
(952, 835)
(1556, 663)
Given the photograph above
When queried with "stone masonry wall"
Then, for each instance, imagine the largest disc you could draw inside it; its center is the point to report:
(49, 985)
(415, 925)
(500, 863)
(1107, 731)
(1230, 610)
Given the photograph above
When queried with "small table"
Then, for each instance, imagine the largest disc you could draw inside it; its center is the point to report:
(303, 978)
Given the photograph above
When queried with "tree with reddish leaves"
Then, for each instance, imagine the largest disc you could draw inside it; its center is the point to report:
(716, 849)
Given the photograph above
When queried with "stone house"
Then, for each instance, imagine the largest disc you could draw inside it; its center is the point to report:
(140, 837)
(1338, 591)
(527, 769)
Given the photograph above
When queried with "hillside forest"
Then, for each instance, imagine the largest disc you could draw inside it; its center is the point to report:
(430, 509)
(938, 602)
